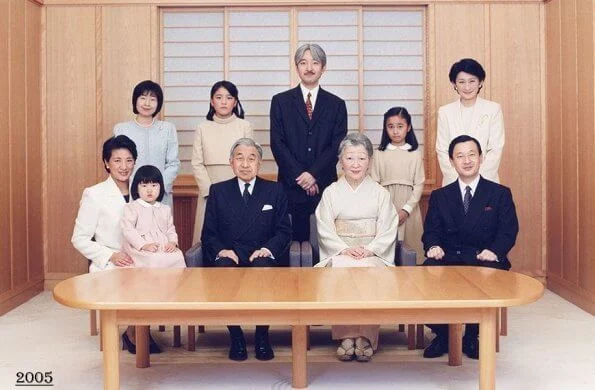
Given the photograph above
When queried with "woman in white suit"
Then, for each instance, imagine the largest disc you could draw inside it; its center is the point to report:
(470, 115)
(97, 234)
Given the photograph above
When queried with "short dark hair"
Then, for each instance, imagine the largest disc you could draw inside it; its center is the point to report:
(147, 174)
(410, 138)
(459, 140)
(467, 65)
(233, 91)
(117, 142)
(150, 87)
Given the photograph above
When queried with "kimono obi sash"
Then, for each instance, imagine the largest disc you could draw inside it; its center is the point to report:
(356, 232)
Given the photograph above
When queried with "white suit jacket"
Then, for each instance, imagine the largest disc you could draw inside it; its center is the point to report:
(487, 126)
(100, 212)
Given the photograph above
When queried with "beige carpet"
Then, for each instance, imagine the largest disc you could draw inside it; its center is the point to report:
(550, 346)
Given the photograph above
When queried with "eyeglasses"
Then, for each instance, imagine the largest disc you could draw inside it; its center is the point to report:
(469, 156)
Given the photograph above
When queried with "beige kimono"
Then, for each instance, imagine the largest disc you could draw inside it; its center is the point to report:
(210, 158)
(347, 217)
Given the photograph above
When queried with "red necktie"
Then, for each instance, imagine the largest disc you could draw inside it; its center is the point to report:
(309, 106)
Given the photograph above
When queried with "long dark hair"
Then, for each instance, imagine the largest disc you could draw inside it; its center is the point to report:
(147, 174)
(233, 91)
(409, 137)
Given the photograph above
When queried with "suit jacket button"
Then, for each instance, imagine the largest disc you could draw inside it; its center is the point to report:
(458, 252)
(309, 149)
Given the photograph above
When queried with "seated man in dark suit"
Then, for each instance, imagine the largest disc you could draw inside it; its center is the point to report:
(471, 221)
(246, 225)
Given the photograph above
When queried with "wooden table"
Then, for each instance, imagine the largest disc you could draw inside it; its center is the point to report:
(298, 297)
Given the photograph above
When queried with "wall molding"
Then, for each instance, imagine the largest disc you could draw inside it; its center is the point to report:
(572, 293)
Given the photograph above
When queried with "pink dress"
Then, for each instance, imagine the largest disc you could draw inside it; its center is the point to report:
(143, 224)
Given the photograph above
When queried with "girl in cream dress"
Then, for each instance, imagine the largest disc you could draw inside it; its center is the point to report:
(398, 166)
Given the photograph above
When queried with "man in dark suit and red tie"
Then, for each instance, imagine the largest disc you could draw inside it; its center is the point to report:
(307, 125)
(471, 221)
(247, 225)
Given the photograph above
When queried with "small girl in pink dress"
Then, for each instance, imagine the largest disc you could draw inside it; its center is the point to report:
(148, 226)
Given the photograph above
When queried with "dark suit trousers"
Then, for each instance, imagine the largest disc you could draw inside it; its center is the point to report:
(300, 218)
(235, 331)
(471, 330)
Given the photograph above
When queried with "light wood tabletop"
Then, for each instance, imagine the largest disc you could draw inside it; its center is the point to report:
(299, 297)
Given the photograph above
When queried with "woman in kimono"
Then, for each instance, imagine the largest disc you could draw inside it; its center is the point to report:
(357, 227)
(470, 115)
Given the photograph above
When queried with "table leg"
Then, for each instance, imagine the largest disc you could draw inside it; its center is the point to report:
(487, 349)
(455, 344)
(111, 350)
(142, 346)
(299, 357)
(191, 338)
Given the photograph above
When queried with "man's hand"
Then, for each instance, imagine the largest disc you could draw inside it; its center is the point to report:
(487, 255)
(312, 191)
(305, 180)
(435, 252)
(121, 259)
(229, 253)
(151, 247)
(357, 252)
(170, 247)
(403, 215)
(264, 252)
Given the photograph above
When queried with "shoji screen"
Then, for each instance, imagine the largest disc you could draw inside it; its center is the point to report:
(375, 61)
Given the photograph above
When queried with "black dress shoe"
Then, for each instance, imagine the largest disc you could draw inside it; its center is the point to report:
(153, 346)
(471, 347)
(263, 349)
(237, 350)
(128, 344)
(437, 348)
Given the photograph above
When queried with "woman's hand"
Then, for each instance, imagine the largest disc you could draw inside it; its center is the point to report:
(403, 215)
(151, 247)
(357, 252)
(170, 247)
(121, 259)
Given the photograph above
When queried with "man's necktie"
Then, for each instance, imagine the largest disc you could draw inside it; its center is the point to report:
(309, 108)
(467, 199)
(246, 193)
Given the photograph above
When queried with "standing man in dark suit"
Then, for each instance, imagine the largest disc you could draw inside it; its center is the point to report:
(307, 126)
(471, 221)
(246, 225)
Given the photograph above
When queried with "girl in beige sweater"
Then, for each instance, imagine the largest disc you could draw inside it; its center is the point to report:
(213, 139)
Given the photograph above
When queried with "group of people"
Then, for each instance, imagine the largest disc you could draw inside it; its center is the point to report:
(243, 220)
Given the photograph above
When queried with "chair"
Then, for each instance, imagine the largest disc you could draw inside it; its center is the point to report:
(194, 258)
(403, 257)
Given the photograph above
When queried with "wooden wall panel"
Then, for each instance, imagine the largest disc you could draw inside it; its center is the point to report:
(34, 138)
(516, 85)
(571, 146)
(586, 146)
(17, 143)
(555, 244)
(72, 149)
(125, 61)
(464, 38)
(570, 141)
(4, 149)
